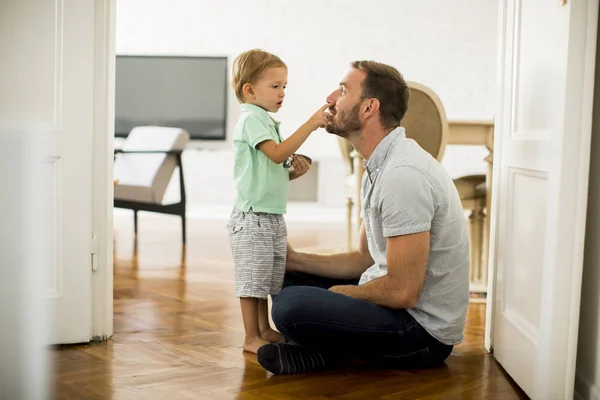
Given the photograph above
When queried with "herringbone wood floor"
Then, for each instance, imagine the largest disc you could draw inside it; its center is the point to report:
(178, 333)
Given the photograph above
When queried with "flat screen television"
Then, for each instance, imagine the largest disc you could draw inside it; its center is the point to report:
(184, 92)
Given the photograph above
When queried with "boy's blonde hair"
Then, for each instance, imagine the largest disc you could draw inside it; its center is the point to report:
(248, 66)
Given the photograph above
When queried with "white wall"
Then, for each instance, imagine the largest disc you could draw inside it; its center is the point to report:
(448, 46)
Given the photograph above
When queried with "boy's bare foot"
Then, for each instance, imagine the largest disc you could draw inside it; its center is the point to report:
(272, 336)
(252, 344)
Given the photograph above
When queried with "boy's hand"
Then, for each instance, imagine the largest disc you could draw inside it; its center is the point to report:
(319, 119)
(300, 164)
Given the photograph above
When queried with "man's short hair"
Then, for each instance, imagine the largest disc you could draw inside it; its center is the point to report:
(248, 66)
(386, 84)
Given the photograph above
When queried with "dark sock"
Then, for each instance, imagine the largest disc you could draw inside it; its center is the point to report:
(285, 358)
(289, 341)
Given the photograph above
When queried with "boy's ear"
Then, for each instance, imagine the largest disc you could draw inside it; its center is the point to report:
(248, 90)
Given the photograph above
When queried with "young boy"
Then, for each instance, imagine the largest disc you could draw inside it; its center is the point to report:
(257, 231)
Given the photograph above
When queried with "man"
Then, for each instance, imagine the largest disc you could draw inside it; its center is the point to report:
(401, 299)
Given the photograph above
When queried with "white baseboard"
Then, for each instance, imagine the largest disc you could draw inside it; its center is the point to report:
(584, 390)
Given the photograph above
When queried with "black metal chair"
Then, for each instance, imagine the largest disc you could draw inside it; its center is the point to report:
(146, 192)
(172, 209)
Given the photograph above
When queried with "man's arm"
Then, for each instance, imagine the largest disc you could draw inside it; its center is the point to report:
(407, 207)
(407, 258)
(338, 266)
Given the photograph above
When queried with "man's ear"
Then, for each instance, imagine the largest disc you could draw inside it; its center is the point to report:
(248, 90)
(372, 107)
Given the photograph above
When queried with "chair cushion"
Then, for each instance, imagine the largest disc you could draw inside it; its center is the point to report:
(145, 177)
(470, 186)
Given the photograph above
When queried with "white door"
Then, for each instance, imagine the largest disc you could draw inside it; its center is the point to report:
(543, 130)
(47, 79)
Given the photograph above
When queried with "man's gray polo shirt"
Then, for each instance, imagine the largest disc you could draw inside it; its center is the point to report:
(404, 191)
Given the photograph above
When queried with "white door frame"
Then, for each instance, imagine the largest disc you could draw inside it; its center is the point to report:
(496, 171)
(579, 116)
(102, 190)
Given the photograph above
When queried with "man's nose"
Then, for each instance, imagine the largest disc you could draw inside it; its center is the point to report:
(332, 98)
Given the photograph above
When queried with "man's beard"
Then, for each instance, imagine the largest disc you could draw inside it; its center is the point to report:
(349, 123)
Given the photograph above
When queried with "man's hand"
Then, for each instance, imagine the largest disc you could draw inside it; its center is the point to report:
(342, 289)
(300, 165)
(290, 258)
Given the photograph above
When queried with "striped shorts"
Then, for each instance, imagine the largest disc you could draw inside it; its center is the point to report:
(259, 247)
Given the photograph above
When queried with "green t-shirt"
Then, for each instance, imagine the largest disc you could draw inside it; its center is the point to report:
(261, 184)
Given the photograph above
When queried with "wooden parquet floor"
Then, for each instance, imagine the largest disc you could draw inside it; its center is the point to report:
(178, 332)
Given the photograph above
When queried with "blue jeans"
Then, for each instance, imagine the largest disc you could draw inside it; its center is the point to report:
(346, 329)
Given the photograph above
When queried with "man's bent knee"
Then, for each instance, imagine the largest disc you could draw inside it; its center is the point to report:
(284, 306)
(292, 305)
